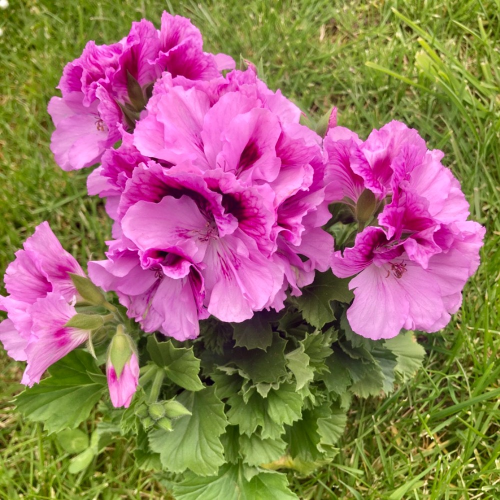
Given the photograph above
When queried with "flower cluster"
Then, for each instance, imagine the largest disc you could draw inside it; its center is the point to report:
(107, 87)
(412, 260)
(41, 301)
(216, 195)
(224, 205)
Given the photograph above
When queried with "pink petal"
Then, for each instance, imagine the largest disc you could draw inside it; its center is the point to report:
(12, 341)
(51, 340)
(122, 390)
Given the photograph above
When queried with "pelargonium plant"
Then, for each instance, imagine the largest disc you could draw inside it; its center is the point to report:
(261, 273)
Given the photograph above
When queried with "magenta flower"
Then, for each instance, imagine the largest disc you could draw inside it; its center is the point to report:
(163, 291)
(122, 370)
(412, 268)
(39, 304)
(82, 134)
(106, 88)
(198, 252)
(229, 214)
(50, 340)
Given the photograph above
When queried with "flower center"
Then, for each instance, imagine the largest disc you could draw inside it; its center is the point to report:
(398, 269)
(99, 125)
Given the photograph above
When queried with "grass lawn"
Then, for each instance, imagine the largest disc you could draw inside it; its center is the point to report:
(434, 64)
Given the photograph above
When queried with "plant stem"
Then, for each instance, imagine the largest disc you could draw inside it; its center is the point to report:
(148, 372)
(108, 317)
(156, 386)
(110, 307)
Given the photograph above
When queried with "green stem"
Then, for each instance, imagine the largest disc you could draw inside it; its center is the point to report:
(156, 386)
(108, 317)
(110, 307)
(148, 373)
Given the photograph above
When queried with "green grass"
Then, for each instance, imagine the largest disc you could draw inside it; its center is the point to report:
(434, 64)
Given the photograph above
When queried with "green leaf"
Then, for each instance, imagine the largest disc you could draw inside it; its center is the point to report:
(231, 443)
(248, 416)
(317, 347)
(263, 366)
(223, 486)
(216, 335)
(145, 459)
(180, 364)
(268, 486)
(298, 364)
(367, 377)
(409, 354)
(73, 440)
(337, 379)
(252, 414)
(387, 364)
(303, 436)
(330, 429)
(88, 290)
(85, 321)
(255, 333)
(292, 323)
(226, 385)
(313, 438)
(356, 340)
(231, 484)
(66, 398)
(194, 441)
(257, 451)
(284, 405)
(315, 301)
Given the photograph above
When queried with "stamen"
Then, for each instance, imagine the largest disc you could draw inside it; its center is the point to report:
(398, 269)
(99, 125)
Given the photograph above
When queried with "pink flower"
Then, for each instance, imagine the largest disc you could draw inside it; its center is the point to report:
(39, 304)
(106, 88)
(163, 291)
(412, 268)
(235, 198)
(82, 133)
(199, 250)
(122, 370)
(50, 340)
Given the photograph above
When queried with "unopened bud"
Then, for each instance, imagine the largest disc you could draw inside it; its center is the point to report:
(326, 122)
(85, 322)
(147, 423)
(120, 351)
(156, 411)
(87, 290)
(365, 207)
(165, 424)
(174, 409)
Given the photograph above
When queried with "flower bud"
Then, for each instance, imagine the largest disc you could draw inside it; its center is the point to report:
(156, 411)
(87, 290)
(165, 424)
(174, 409)
(147, 422)
(365, 206)
(122, 369)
